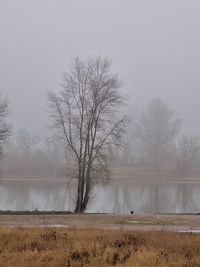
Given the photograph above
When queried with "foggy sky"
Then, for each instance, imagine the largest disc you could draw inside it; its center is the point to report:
(155, 47)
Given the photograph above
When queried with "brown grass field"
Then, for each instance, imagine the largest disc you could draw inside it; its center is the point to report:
(99, 240)
(61, 247)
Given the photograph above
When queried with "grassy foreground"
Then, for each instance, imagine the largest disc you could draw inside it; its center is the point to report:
(66, 248)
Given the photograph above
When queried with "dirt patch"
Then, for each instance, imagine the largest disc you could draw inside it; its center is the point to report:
(106, 221)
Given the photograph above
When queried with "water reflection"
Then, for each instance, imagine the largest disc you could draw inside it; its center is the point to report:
(58, 195)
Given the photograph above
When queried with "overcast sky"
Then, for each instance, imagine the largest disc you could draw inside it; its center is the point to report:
(154, 44)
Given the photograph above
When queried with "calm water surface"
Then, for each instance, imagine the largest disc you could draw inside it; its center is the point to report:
(117, 198)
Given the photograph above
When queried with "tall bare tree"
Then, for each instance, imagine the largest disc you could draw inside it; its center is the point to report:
(5, 127)
(86, 116)
(156, 129)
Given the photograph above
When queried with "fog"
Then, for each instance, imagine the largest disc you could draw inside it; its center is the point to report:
(154, 46)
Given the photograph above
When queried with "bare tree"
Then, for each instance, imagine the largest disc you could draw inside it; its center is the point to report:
(156, 129)
(5, 127)
(26, 142)
(55, 152)
(86, 116)
(187, 154)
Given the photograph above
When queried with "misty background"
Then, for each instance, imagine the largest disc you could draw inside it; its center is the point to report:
(154, 46)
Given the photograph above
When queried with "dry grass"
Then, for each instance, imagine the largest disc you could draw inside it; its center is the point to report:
(66, 248)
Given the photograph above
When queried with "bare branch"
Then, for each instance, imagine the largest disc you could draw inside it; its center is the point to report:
(86, 114)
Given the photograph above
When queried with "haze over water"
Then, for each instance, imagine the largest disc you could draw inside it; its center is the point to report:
(154, 46)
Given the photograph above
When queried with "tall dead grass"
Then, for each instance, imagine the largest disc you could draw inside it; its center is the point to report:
(76, 248)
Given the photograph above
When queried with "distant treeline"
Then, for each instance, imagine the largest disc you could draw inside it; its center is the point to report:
(153, 139)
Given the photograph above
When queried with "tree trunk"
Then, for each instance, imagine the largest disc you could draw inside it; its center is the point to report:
(87, 186)
(87, 195)
(79, 195)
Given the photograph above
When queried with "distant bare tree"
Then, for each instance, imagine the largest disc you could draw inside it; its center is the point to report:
(156, 129)
(26, 142)
(5, 127)
(86, 116)
(187, 154)
(55, 152)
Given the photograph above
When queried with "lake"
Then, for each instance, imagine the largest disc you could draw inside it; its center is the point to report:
(147, 197)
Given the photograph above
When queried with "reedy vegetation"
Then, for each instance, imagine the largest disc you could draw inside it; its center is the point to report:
(61, 247)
